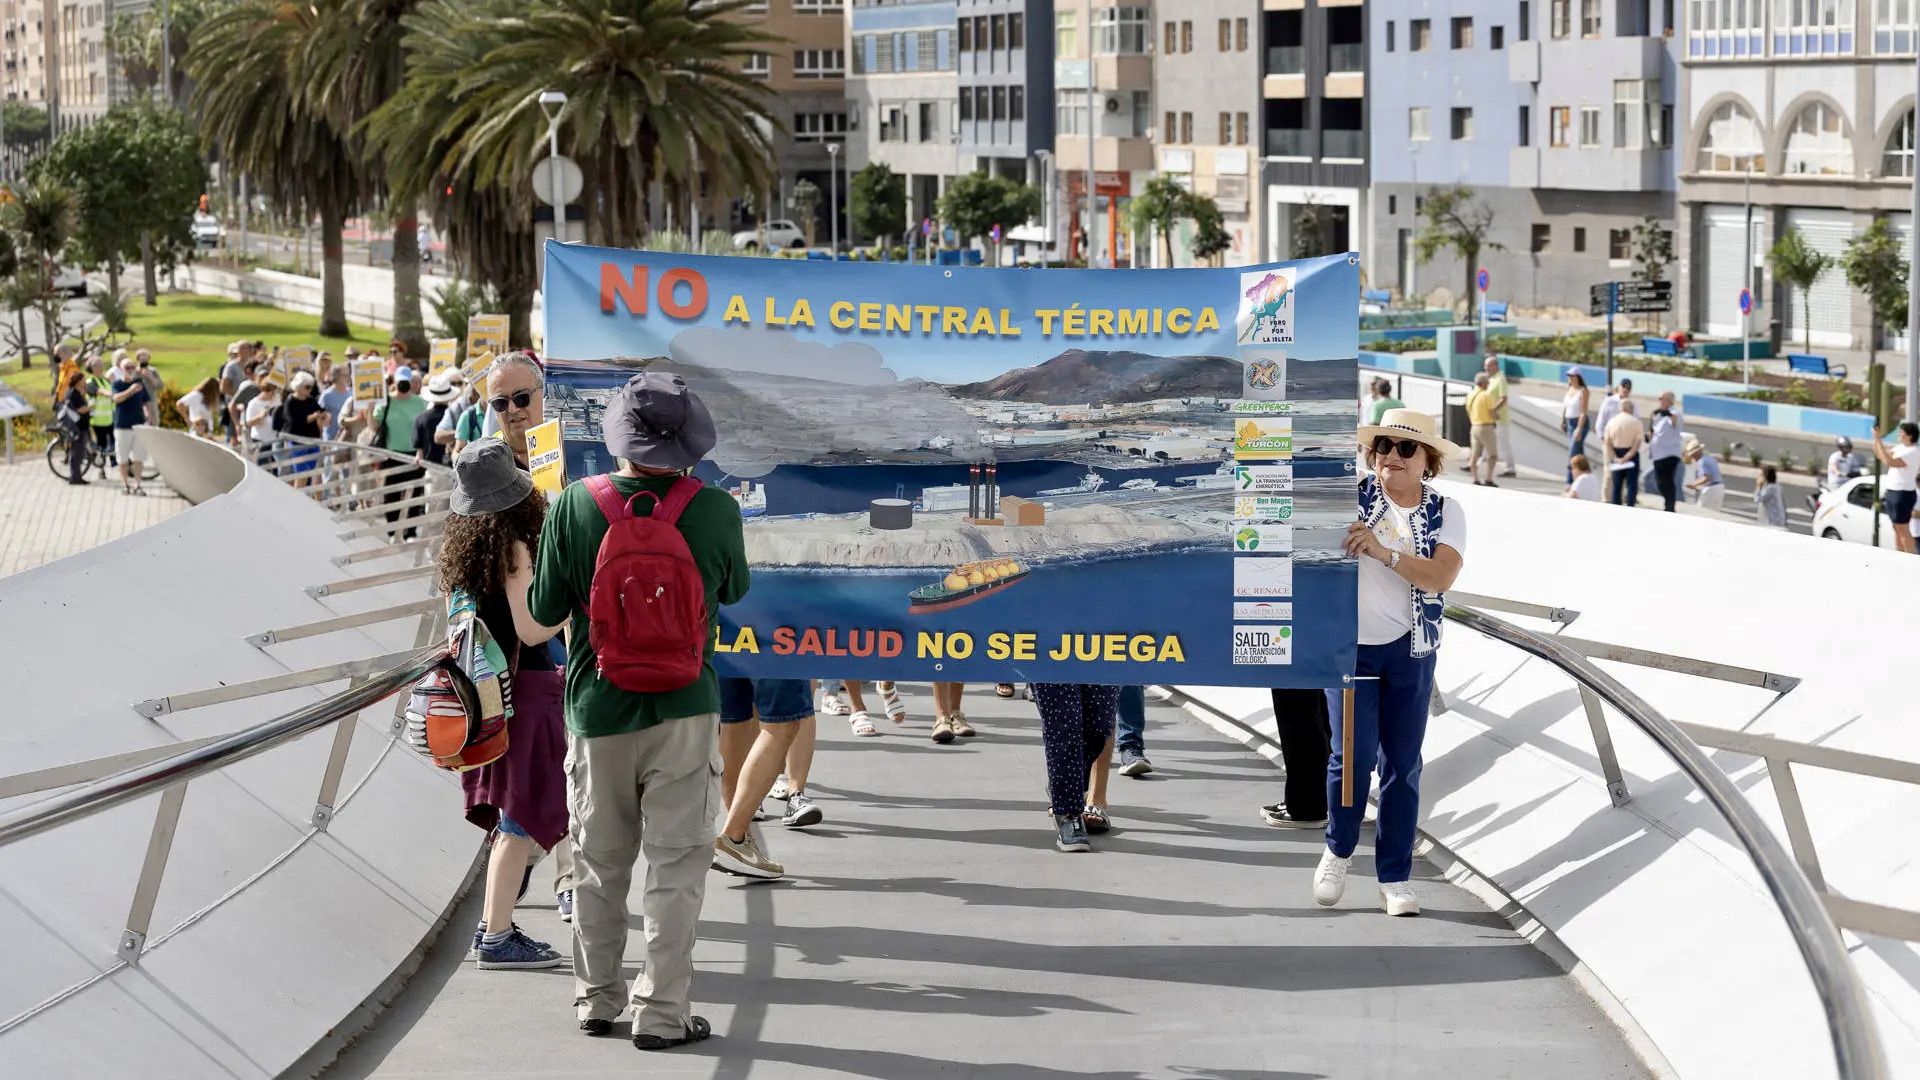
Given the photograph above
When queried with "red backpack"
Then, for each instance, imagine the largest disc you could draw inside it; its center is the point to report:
(648, 606)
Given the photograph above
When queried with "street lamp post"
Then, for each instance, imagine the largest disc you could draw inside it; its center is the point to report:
(1046, 200)
(833, 199)
(552, 104)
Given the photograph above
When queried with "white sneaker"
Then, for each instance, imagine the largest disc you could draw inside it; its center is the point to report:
(1330, 879)
(781, 788)
(1398, 899)
(831, 705)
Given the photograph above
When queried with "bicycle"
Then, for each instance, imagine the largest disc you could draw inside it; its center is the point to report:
(57, 454)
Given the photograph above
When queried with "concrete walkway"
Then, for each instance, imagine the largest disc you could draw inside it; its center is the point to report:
(930, 929)
(43, 518)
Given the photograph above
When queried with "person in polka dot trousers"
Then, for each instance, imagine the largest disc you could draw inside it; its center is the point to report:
(1076, 720)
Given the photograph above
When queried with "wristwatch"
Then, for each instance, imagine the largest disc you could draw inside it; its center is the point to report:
(1394, 562)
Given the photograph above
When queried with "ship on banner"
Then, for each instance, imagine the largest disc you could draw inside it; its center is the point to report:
(1015, 475)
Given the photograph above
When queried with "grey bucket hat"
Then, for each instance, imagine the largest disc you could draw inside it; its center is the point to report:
(486, 480)
(656, 422)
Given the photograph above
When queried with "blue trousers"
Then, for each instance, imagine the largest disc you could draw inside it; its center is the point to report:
(1389, 725)
(1575, 444)
(1075, 720)
(1133, 720)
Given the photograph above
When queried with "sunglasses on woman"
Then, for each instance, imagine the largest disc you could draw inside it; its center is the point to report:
(520, 400)
(1407, 447)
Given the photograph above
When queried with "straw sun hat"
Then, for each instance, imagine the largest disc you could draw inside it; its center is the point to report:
(1408, 424)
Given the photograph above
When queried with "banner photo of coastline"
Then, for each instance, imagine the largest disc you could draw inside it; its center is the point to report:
(983, 475)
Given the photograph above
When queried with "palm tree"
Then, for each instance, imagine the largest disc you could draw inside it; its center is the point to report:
(356, 62)
(646, 81)
(40, 216)
(253, 113)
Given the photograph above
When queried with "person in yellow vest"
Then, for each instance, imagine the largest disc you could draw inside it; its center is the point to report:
(100, 393)
(1483, 409)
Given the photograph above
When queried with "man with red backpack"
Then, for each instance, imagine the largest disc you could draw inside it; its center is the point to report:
(639, 562)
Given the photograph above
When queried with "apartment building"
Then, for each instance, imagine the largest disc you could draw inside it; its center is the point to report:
(26, 58)
(1207, 94)
(806, 82)
(1314, 127)
(903, 96)
(79, 70)
(1806, 108)
(1005, 84)
(1556, 113)
(1103, 121)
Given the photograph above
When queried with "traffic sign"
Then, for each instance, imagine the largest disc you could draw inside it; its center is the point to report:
(1746, 301)
(1484, 279)
(572, 181)
(1600, 299)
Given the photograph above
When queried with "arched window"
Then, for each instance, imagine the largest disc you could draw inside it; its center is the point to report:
(1818, 143)
(1732, 143)
(1898, 160)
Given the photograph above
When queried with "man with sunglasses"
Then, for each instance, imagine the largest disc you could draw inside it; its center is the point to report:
(516, 400)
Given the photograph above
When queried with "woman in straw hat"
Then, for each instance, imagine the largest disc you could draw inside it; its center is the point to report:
(1409, 541)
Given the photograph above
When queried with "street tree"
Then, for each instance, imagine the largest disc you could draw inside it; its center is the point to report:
(975, 203)
(877, 199)
(26, 125)
(1160, 205)
(1797, 265)
(39, 216)
(1652, 249)
(262, 124)
(652, 88)
(135, 174)
(1875, 266)
(356, 62)
(1210, 238)
(1454, 221)
(158, 33)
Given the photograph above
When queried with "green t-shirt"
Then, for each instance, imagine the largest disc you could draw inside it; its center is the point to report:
(1380, 408)
(563, 580)
(400, 413)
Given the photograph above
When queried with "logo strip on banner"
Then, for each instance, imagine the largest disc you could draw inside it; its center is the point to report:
(986, 475)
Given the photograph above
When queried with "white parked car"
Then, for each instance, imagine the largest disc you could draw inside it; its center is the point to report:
(207, 231)
(1846, 513)
(68, 280)
(781, 233)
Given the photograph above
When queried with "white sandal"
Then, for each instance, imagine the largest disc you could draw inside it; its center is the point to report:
(862, 725)
(890, 697)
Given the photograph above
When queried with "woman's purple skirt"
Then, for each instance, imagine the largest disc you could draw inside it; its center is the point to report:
(529, 782)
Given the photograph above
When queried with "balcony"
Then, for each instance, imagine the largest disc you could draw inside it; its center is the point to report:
(1286, 59)
(1346, 56)
(1289, 142)
(1344, 84)
(1343, 143)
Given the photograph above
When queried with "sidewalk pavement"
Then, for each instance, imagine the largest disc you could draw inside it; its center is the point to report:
(931, 930)
(42, 518)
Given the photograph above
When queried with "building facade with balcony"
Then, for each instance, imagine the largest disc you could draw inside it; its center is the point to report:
(1005, 86)
(27, 63)
(1556, 114)
(1806, 109)
(1206, 70)
(1103, 121)
(80, 70)
(805, 75)
(1313, 127)
(903, 96)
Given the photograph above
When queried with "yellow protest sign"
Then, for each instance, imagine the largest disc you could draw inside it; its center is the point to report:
(477, 369)
(444, 355)
(277, 379)
(369, 379)
(486, 334)
(545, 459)
(299, 357)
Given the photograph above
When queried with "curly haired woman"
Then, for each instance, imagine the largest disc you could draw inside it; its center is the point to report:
(490, 534)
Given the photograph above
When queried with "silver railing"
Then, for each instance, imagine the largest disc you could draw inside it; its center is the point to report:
(1807, 908)
(347, 478)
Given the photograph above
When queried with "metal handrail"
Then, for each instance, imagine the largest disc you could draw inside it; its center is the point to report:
(1856, 1047)
(371, 451)
(198, 761)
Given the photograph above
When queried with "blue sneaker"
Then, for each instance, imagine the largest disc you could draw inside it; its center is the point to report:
(1072, 833)
(517, 952)
(1134, 763)
(564, 901)
(480, 933)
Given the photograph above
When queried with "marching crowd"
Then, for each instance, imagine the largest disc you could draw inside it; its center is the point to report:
(603, 603)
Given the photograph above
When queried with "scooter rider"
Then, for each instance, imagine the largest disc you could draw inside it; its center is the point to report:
(1842, 464)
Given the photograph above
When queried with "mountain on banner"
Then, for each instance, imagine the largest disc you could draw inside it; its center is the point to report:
(1078, 376)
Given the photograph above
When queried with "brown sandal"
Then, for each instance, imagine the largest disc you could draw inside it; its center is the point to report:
(961, 727)
(943, 729)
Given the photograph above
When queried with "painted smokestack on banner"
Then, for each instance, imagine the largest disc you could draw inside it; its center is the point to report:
(992, 507)
(973, 490)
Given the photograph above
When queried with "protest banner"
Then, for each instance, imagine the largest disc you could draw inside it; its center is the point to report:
(544, 457)
(369, 379)
(486, 334)
(998, 475)
(444, 356)
(298, 358)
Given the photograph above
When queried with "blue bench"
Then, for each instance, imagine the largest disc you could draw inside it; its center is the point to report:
(1659, 346)
(1805, 364)
(1496, 310)
(1376, 296)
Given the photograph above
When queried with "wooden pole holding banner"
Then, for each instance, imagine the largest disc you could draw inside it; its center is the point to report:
(1346, 747)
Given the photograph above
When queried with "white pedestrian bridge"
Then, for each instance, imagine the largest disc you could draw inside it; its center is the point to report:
(1670, 829)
